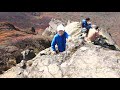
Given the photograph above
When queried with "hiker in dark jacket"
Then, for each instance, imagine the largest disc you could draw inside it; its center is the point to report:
(59, 40)
(86, 24)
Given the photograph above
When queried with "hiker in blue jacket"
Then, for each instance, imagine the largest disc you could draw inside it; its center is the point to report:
(86, 24)
(59, 40)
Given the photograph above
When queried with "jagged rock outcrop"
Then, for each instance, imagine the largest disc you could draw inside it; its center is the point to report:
(89, 61)
(73, 29)
(51, 30)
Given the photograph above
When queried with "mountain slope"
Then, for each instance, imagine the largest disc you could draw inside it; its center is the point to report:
(88, 61)
(80, 60)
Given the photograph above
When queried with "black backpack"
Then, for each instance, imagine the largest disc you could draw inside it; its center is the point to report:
(102, 42)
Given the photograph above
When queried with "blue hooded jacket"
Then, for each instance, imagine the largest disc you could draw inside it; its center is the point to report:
(85, 24)
(60, 41)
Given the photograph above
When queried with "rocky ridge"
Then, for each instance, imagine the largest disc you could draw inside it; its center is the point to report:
(80, 60)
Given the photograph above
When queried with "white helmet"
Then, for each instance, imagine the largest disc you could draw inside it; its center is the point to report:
(60, 27)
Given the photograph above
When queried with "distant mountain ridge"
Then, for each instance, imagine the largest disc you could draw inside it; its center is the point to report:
(24, 20)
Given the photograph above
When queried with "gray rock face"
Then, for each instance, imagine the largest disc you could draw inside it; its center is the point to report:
(51, 30)
(89, 61)
(93, 62)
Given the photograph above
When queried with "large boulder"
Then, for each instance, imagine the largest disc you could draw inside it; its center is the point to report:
(51, 30)
(73, 29)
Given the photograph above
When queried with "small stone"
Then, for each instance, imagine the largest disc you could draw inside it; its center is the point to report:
(43, 52)
(83, 48)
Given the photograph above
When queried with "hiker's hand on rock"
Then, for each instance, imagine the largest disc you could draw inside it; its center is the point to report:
(69, 39)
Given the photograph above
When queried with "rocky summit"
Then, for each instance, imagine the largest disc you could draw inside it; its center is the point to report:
(87, 61)
(80, 60)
